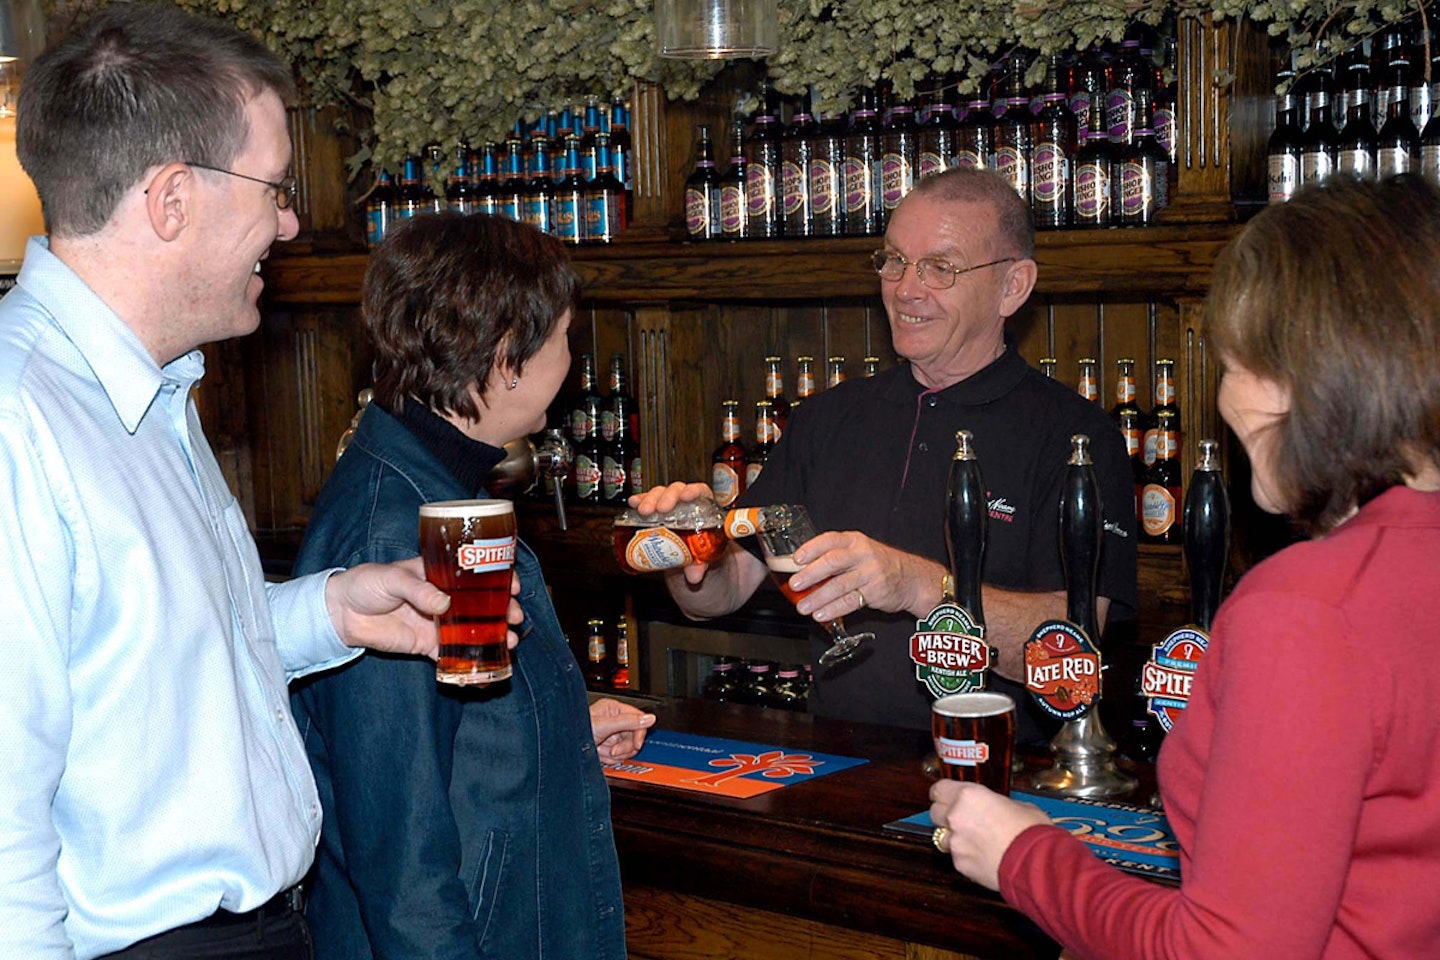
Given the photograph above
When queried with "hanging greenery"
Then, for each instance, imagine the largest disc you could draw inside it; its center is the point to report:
(449, 71)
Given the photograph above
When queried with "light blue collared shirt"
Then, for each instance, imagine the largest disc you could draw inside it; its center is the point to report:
(150, 772)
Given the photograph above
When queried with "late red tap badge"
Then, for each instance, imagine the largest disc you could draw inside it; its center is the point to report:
(1166, 677)
(949, 651)
(1062, 669)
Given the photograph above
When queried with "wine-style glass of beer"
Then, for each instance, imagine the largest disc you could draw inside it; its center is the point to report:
(468, 547)
(789, 527)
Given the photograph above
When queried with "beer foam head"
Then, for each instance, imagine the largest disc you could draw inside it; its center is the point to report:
(451, 509)
(983, 704)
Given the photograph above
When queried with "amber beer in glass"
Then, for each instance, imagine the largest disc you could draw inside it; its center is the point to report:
(975, 737)
(469, 549)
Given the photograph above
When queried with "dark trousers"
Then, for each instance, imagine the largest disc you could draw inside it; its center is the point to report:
(275, 931)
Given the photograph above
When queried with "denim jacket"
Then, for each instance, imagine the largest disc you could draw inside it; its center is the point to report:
(457, 823)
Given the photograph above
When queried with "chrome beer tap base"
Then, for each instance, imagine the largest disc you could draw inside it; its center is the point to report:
(1084, 763)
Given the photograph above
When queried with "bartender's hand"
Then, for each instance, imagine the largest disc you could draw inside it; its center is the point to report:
(391, 606)
(667, 498)
(619, 729)
(855, 571)
(982, 826)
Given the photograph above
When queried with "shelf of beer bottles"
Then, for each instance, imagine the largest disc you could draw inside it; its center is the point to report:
(1150, 260)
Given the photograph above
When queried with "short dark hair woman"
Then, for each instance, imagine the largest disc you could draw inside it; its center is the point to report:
(1303, 781)
(458, 823)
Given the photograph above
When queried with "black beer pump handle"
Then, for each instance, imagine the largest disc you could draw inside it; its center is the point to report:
(966, 509)
(1206, 534)
(1081, 523)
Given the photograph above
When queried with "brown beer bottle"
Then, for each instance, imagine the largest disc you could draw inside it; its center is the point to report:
(804, 380)
(1048, 365)
(869, 367)
(727, 463)
(1088, 386)
(775, 393)
(621, 678)
(597, 675)
(620, 469)
(834, 371)
(765, 436)
(1164, 400)
(590, 465)
(720, 685)
(1160, 502)
(1125, 403)
(1130, 427)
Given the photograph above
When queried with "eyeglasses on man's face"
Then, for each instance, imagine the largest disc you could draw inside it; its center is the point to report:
(284, 189)
(932, 272)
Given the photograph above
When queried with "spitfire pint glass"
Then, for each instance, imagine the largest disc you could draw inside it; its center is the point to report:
(469, 549)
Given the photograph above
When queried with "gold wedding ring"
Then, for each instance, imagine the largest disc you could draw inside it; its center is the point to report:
(860, 596)
(941, 839)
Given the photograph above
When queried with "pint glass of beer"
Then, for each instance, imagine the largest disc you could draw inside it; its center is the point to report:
(469, 549)
(974, 737)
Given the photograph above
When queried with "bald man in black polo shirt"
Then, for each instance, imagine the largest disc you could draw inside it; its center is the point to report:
(869, 459)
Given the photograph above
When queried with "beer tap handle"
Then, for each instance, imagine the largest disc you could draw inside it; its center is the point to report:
(552, 460)
(1081, 525)
(965, 524)
(1206, 534)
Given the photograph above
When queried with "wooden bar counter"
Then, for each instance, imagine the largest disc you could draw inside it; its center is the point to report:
(805, 872)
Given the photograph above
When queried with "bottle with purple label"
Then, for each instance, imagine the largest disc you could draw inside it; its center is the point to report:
(702, 191)
(1094, 181)
(1144, 179)
(975, 141)
(1014, 145)
(1131, 78)
(938, 133)
(1051, 185)
(762, 170)
(795, 151)
(863, 215)
(900, 158)
(827, 173)
(734, 211)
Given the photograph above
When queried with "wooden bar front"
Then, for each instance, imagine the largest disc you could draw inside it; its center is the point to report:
(805, 872)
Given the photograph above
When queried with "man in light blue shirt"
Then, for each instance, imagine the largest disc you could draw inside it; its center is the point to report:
(154, 786)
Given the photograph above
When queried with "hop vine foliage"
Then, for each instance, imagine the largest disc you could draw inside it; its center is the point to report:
(451, 71)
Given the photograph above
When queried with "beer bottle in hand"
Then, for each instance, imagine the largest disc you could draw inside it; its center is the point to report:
(597, 673)
(727, 463)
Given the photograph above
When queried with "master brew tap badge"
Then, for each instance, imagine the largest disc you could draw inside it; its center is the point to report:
(950, 652)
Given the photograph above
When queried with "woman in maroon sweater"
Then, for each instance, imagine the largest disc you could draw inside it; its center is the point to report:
(1303, 781)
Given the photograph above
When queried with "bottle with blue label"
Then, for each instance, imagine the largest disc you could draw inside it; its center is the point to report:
(569, 211)
(606, 209)
(379, 210)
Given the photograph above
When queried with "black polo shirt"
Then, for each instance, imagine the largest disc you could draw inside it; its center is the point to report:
(874, 455)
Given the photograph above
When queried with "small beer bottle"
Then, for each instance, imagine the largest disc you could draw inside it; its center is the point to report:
(540, 189)
(512, 188)
(1132, 77)
(620, 403)
(1320, 144)
(1088, 385)
(588, 403)
(756, 689)
(380, 210)
(1164, 400)
(622, 679)
(1144, 179)
(597, 671)
(775, 393)
(834, 371)
(1167, 132)
(1285, 151)
(762, 171)
(411, 198)
(457, 191)
(869, 366)
(1047, 367)
(939, 133)
(1358, 145)
(727, 463)
(569, 194)
(804, 379)
(589, 130)
(1014, 145)
(1354, 81)
(1391, 70)
(796, 149)
(621, 475)
(900, 158)
(765, 436)
(827, 176)
(734, 208)
(620, 144)
(720, 685)
(1054, 134)
(1160, 499)
(606, 210)
(1094, 182)
(487, 181)
(1125, 401)
(863, 214)
(702, 191)
(589, 464)
(788, 693)
(1133, 431)
(1398, 142)
(975, 140)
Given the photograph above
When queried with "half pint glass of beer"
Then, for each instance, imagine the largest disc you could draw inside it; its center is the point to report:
(469, 549)
(974, 737)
